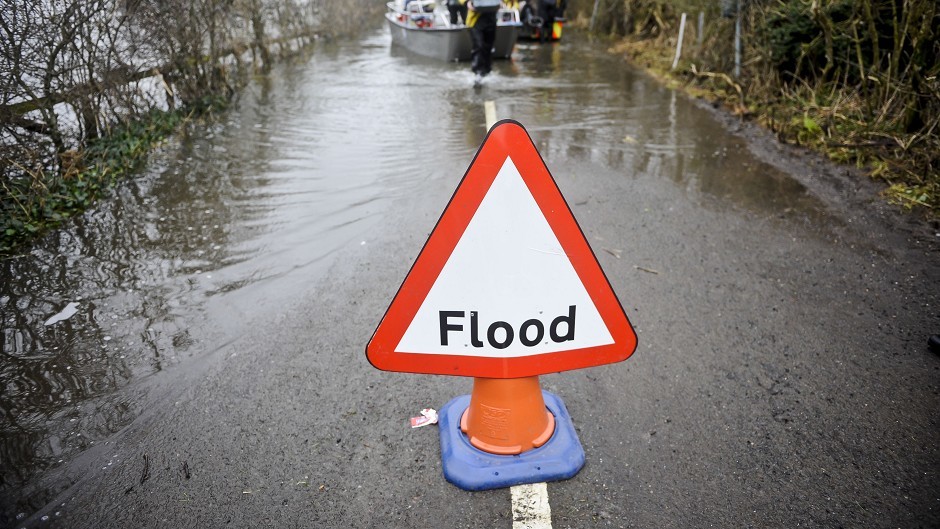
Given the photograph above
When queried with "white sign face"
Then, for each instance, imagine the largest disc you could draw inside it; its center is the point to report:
(508, 289)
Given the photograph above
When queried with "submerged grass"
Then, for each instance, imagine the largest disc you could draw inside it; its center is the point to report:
(33, 200)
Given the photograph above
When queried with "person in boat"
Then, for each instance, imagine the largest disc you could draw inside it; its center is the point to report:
(482, 22)
(547, 12)
(455, 8)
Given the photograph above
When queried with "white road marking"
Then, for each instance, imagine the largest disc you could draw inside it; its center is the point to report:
(489, 110)
(530, 508)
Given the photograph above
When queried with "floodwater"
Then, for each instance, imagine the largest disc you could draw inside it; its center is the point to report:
(236, 214)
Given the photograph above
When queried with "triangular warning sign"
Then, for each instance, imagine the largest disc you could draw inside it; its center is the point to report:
(506, 285)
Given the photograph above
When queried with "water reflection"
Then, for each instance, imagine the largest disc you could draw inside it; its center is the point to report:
(226, 220)
(240, 211)
(597, 110)
(135, 268)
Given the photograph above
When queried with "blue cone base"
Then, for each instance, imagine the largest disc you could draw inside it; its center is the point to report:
(473, 469)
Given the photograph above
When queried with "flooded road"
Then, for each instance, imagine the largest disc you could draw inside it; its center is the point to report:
(236, 218)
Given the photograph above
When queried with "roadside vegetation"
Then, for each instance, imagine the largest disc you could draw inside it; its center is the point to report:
(89, 87)
(854, 79)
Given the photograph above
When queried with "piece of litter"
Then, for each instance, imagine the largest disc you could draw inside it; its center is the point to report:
(428, 416)
(615, 253)
(650, 270)
(64, 314)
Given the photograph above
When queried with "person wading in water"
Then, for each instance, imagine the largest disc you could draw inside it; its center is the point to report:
(481, 17)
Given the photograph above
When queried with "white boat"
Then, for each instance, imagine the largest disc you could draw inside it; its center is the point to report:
(423, 27)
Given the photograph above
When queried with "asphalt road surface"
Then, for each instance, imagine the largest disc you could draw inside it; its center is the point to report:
(782, 377)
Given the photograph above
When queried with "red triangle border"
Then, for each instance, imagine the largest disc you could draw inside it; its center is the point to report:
(505, 138)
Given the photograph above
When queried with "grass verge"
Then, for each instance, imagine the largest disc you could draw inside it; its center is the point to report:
(836, 121)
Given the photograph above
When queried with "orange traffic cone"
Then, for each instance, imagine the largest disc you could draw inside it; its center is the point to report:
(507, 416)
